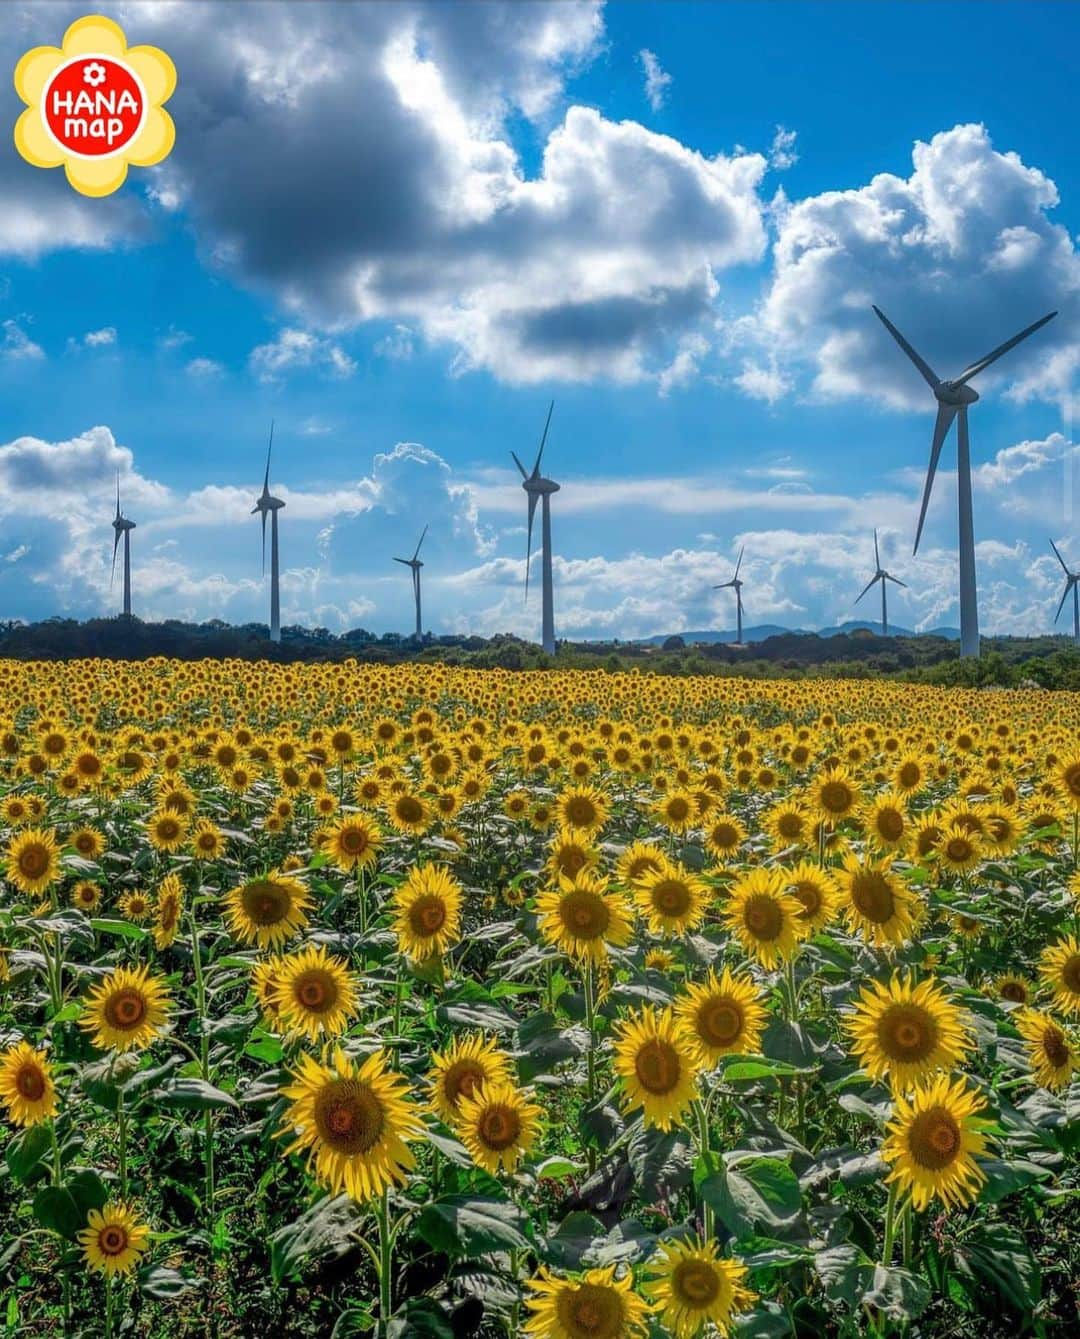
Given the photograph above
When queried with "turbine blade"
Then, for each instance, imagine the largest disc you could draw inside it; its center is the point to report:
(1064, 597)
(864, 590)
(115, 546)
(406, 561)
(533, 499)
(264, 542)
(723, 585)
(117, 494)
(421, 540)
(895, 580)
(928, 374)
(945, 415)
(877, 556)
(739, 563)
(539, 454)
(520, 466)
(975, 368)
(1060, 559)
(269, 448)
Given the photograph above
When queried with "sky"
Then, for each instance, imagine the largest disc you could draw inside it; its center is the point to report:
(398, 231)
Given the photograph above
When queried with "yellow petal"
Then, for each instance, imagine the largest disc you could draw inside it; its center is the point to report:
(96, 176)
(156, 70)
(33, 70)
(154, 140)
(34, 142)
(94, 35)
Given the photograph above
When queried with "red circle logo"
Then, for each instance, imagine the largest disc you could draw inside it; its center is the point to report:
(93, 106)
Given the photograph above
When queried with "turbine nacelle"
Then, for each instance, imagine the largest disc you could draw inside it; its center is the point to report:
(540, 486)
(955, 393)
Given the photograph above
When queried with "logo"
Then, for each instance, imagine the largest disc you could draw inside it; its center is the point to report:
(95, 106)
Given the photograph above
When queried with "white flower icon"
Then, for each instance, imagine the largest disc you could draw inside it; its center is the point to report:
(94, 74)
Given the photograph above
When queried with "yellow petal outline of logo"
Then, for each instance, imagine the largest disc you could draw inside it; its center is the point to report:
(105, 173)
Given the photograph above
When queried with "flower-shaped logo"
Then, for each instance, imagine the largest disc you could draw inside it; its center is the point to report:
(95, 106)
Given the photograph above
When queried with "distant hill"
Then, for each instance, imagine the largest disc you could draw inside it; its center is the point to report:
(761, 632)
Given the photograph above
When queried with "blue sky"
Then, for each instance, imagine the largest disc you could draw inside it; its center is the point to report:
(399, 230)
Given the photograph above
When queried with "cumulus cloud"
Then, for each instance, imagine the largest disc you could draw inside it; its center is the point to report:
(295, 348)
(657, 79)
(204, 367)
(16, 344)
(960, 255)
(782, 153)
(98, 339)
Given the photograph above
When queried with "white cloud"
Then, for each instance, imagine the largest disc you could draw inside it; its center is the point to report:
(782, 153)
(16, 344)
(657, 79)
(397, 345)
(97, 339)
(763, 381)
(204, 367)
(296, 348)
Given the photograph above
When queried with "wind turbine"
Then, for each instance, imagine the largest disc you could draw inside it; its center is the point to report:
(1071, 579)
(267, 503)
(953, 398)
(122, 525)
(415, 563)
(537, 487)
(881, 575)
(737, 586)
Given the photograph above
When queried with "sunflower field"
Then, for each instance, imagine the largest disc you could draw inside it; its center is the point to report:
(414, 1001)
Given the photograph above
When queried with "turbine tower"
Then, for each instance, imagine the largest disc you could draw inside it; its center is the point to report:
(953, 398)
(415, 563)
(1071, 580)
(122, 525)
(264, 504)
(884, 577)
(736, 585)
(537, 487)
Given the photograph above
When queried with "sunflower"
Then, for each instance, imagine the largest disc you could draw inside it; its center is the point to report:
(267, 910)
(86, 895)
(723, 1015)
(498, 1124)
(834, 795)
(764, 917)
(658, 1062)
(906, 1031)
(207, 843)
(788, 824)
(353, 842)
(724, 834)
(466, 1066)
(1059, 971)
(582, 918)
(879, 905)
(166, 830)
(33, 860)
(584, 808)
(817, 892)
(1013, 989)
(168, 910)
(672, 900)
(594, 1305)
(126, 1010)
(885, 820)
(570, 854)
(427, 907)
(1068, 781)
(135, 906)
(959, 849)
(638, 860)
(27, 1089)
(314, 993)
(696, 1287)
(113, 1240)
(676, 811)
(354, 1122)
(87, 843)
(410, 814)
(932, 1141)
(1050, 1054)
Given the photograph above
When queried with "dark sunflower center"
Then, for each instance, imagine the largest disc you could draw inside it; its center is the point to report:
(427, 915)
(809, 894)
(316, 991)
(1072, 778)
(125, 1010)
(580, 811)
(836, 797)
(266, 903)
(724, 835)
(763, 917)
(499, 1127)
(907, 1033)
(33, 861)
(167, 828)
(909, 774)
(719, 1022)
(590, 1311)
(348, 1116)
(934, 1139)
(1055, 1047)
(657, 1067)
(30, 1082)
(872, 896)
(671, 897)
(1014, 991)
(352, 840)
(678, 809)
(790, 825)
(113, 1239)
(464, 1078)
(958, 848)
(890, 824)
(584, 914)
(695, 1283)
(409, 810)
(1070, 973)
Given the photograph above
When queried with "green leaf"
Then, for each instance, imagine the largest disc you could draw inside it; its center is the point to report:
(55, 1209)
(900, 1294)
(566, 1247)
(661, 1162)
(555, 1168)
(845, 1272)
(193, 1095)
(997, 1254)
(761, 1195)
(326, 1229)
(164, 1284)
(125, 929)
(737, 1069)
(88, 1191)
(421, 1318)
(1006, 1178)
(477, 1014)
(26, 1150)
(461, 1226)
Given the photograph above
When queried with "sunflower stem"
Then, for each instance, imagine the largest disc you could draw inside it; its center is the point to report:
(204, 1067)
(890, 1228)
(906, 1231)
(386, 1242)
(705, 1149)
(590, 1055)
(121, 1121)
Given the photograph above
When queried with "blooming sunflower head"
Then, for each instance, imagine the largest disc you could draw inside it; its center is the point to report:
(427, 911)
(932, 1141)
(594, 1305)
(694, 1286)
(126, 1010)
(114, 1240)
(267, 910)
(765, 917)
(27, 1088)
(583, 918)
(658, 1064)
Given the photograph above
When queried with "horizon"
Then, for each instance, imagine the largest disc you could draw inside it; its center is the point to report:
(533, 203)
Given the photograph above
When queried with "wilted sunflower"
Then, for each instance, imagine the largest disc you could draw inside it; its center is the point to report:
(582, 917)
(267, 910)
(126, 1010)
(33, 860)
(169, 907)
(595, 1305)
(1059, 971)
(658, 1062)
(764, 917)
(353, 842)
(466, 1066)
(879, 905)
(818, 894)
(498, 1124)
(694, 1286)
(427, 911)
(353, 1121)
(27, 1089)
(1053, 1059)
(671, 900)
(315, 993)
(932, 1141)
(906, 1031)
(723, 1015)
(113, 1240)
